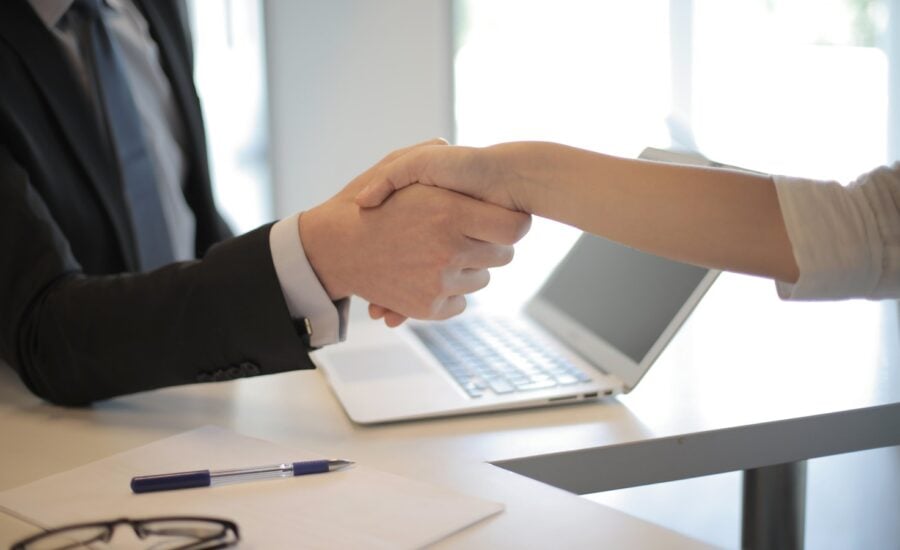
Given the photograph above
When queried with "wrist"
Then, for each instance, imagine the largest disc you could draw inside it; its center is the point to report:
(516, 169)
(319, 237)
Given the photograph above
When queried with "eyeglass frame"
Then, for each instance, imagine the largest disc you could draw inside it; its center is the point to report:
(135, 524)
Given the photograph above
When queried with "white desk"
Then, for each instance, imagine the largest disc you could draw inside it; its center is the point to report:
(746, 370)
(298, 409)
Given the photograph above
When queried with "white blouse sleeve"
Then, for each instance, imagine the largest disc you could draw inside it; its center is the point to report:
(846, 240)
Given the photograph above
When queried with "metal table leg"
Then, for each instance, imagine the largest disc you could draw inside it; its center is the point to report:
(774, 507)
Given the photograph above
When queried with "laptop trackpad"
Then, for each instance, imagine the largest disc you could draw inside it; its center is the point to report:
(384, 382)
(378, 364)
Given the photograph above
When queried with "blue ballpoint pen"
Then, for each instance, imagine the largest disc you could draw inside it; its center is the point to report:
(206, 478)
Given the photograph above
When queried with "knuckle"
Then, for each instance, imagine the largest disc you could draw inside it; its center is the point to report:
(517, 228)
(458, 305)
(445, 255)
(434, 288)
(524, 225)
(439, 309)
(483, 280)
(443, 215)
(510, 227)
(440, 258)
(452, 307)
(505, 255)
(427, 312)
(423, 310)
(395, 154)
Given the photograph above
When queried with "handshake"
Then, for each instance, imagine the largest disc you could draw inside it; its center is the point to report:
(416, 250)
(411, 250)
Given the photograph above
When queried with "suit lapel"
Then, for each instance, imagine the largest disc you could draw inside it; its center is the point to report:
(46, 62)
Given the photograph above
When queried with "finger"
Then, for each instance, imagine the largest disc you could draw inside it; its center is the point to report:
(491, 223)
(393, 319)
(395, 175)
(384, 175)
(467, 281)
(452, 306)
(403, 150)
(482, 255)
(405, 167)
(361, 181)
(374, 194)
(376, 311)
(393, 155)
(472, 280)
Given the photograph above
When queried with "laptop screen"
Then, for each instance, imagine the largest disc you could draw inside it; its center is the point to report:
(624, 296)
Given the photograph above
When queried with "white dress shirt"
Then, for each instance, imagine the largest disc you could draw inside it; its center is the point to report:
(846, 240)
(165, 135)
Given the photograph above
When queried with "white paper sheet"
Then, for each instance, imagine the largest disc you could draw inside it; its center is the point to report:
(357, 507)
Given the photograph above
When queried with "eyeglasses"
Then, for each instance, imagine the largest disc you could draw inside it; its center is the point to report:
(163, 533)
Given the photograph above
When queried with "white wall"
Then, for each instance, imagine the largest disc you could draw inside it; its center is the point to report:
(349, 81)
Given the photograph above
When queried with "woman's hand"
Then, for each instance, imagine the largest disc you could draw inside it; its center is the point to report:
(477, 172)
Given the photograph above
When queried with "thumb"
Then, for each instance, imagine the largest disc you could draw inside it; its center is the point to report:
(375, 192)
(395, 174)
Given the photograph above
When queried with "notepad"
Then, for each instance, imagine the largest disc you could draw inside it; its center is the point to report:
(359, 507)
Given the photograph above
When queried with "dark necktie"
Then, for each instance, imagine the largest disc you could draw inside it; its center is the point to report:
(124, 128)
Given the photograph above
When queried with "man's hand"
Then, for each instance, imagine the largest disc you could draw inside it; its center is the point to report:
(416, 255)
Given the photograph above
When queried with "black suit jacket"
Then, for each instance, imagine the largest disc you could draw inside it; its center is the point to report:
(75, 321)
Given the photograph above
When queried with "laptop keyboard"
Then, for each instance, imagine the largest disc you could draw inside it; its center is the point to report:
(493, 356)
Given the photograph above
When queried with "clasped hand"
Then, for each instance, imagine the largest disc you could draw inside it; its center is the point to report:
(416, 254)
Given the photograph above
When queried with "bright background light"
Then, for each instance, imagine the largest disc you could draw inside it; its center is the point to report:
(798, 88)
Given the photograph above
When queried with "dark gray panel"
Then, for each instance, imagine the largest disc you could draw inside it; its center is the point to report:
(622, 295)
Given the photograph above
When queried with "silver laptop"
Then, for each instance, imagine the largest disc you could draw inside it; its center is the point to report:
(592, 330)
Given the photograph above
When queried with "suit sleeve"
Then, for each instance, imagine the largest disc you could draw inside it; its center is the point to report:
(74, 338)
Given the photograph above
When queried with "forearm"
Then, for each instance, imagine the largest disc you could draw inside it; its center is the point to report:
(718, 218)
(89, 338)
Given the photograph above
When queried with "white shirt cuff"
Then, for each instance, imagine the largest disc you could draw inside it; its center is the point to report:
(303, 293)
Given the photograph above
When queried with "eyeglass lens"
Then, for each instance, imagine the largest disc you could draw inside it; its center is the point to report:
(159, 534)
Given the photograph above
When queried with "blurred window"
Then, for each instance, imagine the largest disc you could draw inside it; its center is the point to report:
(796, 87)
(230, 77)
